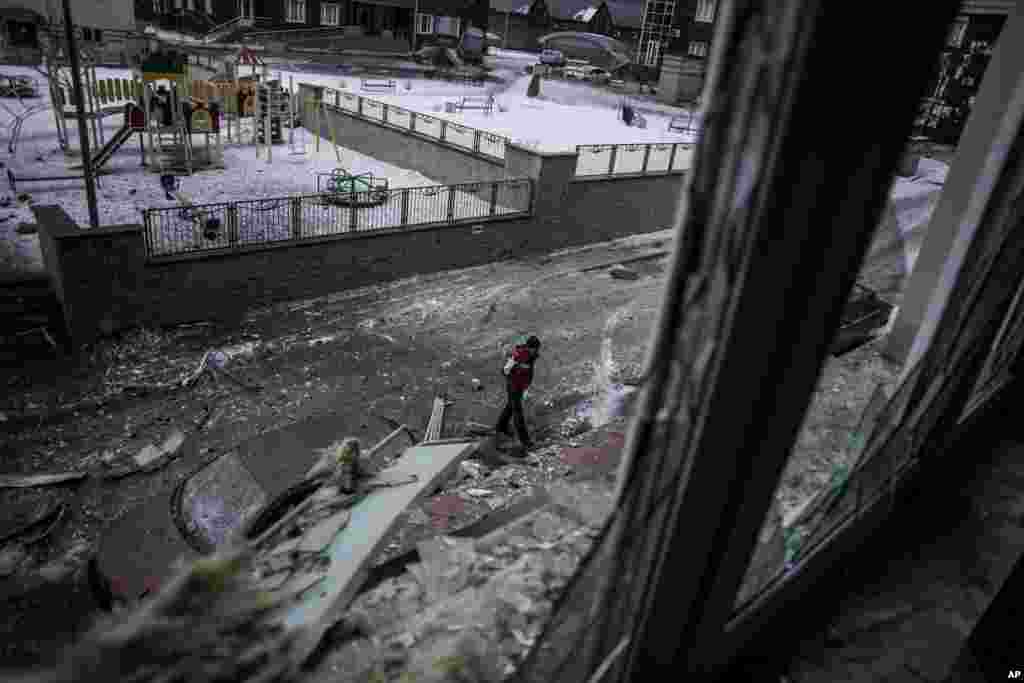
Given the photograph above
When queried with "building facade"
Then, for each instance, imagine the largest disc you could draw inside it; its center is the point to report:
(676, 41)
(185, 16)
(391, 24)
(104, 27)
(962, 64)
(519, 23)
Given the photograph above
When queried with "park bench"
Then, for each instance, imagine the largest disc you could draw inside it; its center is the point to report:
(616, 83)
(468, 79)
(681, 124)
(379, 85)
(477, 103)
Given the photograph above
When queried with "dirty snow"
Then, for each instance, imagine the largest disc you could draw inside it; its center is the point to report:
(129, 188)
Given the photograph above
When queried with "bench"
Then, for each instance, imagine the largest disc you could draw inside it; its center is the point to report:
(681, 124)
(468, 79)
(472, 102)
(616, 83)
(379, 85)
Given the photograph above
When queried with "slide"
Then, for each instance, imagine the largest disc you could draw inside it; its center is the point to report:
(103, 156)
(453, 57)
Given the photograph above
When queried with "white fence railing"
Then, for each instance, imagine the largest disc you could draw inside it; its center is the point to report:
(441, 130)
(654, 158)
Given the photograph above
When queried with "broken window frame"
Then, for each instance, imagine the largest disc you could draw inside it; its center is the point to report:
(732, 435)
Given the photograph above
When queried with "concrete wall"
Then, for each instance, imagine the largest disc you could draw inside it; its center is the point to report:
(444, 163)
(105, 283)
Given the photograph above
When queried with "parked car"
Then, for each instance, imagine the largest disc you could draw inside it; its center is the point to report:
(552, 58)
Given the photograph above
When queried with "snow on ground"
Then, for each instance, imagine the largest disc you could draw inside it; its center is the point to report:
(128, 188)
(546, 123)
(530, 57)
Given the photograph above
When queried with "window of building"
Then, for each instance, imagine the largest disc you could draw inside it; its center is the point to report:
(295, 11)
(97, 35)
(698, 48)
(705, 10)
(424, 23)
(86, 33)
(330, 14)
(448, 26)
(957, 32)
(651, 52)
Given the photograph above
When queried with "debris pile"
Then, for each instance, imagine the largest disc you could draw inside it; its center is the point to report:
(471, 610)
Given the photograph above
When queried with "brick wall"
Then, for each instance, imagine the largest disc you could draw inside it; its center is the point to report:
(106, 284)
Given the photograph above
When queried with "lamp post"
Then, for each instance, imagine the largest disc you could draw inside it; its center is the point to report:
(83, 129)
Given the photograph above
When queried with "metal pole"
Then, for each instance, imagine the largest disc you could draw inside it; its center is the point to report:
(83, 128)
(415, 18)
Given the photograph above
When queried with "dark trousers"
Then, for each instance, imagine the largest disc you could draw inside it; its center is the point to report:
(514, 408)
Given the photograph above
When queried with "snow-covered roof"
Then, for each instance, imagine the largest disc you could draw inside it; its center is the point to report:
(511, 6)
(585, 14)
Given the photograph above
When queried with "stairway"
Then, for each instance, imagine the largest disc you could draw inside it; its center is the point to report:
(33, 320)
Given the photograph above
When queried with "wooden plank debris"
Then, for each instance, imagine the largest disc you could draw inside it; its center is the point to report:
(15, 481)
(372, 521)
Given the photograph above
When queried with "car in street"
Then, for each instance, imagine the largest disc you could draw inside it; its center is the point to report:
(552, 58)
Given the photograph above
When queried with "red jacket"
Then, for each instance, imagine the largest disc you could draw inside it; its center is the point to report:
(519, 368)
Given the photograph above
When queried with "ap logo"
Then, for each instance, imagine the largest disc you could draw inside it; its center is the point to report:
(1016, 673)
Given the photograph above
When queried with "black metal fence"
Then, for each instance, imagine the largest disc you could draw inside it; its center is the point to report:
(235, 226)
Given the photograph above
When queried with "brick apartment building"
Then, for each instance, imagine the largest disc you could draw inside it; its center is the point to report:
(366, 24)
(520, 23)
(105, 28)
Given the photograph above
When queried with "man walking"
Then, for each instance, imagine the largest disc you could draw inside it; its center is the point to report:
(518, 371)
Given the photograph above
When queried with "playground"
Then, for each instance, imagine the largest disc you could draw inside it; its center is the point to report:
(154, 122)
(233, 167)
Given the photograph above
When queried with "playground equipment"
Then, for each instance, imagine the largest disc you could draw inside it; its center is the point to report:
(173, 115)
(272, 107)
(209, 226)
(17, 86)
(102, 97)
(18, 120)
(341, 188)
(134, 122)
(314, 111)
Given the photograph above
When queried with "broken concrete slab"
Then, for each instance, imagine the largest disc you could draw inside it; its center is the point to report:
(352, 550)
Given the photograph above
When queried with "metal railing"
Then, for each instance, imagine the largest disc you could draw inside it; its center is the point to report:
(223, 29)
(654, 158)
(234, 226)
(433, 127)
